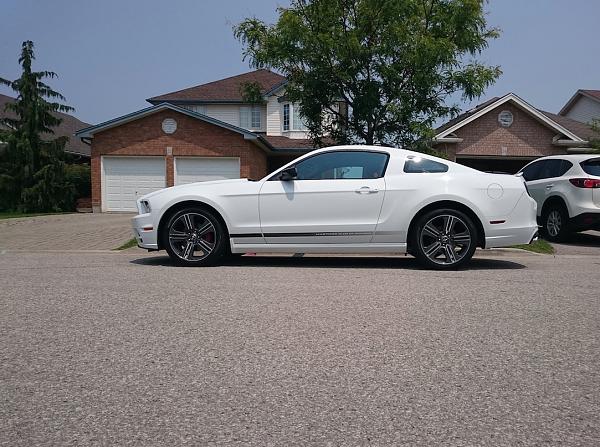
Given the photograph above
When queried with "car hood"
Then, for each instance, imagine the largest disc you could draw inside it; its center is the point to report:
(194, 186)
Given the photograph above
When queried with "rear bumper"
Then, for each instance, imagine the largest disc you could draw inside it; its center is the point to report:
(519, 227)
(585, 221)
(144, 231)
(513, 236)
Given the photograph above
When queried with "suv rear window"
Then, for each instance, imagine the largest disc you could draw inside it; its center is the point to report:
(591, 167)
(421, 165)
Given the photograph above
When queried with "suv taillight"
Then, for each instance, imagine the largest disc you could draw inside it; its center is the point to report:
(585, 182)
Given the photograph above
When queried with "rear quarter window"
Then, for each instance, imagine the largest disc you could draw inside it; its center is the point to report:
(417, 165)
(591, 167)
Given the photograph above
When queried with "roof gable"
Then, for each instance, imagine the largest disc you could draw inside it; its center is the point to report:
(89, 132)
(224, 90)
(592, 94)
(453, 125)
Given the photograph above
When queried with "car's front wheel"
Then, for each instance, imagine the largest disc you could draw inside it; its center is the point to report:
(194, 237)
(555, 222)
(443, 239)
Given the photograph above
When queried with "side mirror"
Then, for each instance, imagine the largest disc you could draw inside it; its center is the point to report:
(288, 174)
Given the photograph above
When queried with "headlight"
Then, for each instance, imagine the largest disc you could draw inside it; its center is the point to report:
(144, 207)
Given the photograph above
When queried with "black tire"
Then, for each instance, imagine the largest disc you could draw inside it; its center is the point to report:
(443, 239)
(194, 236)
(555, 222)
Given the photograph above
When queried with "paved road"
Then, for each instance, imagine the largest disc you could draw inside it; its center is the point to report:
(124, 349)
(99, 231)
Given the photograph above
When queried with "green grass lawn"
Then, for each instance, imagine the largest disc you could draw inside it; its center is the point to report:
(16, 215)
(129, 244)
(539, 246)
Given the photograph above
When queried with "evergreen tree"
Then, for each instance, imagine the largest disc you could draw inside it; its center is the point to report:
(32, 166)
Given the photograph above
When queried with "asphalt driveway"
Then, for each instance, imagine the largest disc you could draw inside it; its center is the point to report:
(121, 348)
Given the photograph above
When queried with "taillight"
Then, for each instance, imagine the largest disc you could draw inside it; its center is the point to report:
(585, 182)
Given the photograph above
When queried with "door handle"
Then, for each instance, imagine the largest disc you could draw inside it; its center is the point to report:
(549, 186)
(366, 190)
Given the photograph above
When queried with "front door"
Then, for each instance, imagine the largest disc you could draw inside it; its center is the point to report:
(335, 199)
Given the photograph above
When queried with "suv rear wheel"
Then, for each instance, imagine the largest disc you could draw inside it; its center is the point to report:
(555, 222)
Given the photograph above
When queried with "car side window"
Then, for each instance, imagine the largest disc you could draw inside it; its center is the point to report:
(564, 167)
(415, 165)
(551, 169)
(343, 165)
(532, 171)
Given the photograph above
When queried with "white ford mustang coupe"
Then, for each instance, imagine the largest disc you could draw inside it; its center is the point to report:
(343, 199)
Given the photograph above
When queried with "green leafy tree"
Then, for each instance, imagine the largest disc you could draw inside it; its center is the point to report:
(32, 167)
(379, 71)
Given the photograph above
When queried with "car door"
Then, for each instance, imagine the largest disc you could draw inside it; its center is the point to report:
(535, 184)
(546, 176)
(336, 197)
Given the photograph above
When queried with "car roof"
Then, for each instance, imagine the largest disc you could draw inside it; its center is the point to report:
(571, 157)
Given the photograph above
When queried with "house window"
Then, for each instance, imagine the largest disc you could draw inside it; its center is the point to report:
(298, 122)
(255, 117)
(250, 117)
(286, 117)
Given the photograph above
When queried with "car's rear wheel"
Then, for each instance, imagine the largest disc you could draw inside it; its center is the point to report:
(194, 237)
(555, 222)
(444, 239)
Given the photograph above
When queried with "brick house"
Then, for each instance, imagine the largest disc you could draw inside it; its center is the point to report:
(206, 132)
(505, 133)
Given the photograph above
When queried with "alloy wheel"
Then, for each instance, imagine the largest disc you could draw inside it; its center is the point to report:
(445, 239)
(554, 223)
(192, 236)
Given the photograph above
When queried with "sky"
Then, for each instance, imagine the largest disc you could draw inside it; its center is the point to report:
(111, 55)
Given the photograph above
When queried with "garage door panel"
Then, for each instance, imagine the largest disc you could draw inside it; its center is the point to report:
(203, 169)
(127, 178)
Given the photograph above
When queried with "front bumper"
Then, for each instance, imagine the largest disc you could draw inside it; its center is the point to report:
(145, 231)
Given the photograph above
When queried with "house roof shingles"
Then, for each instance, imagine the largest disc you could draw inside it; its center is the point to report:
(594, 93)
(286, 144)
(67, 127)
(582, 130)
(223, 90)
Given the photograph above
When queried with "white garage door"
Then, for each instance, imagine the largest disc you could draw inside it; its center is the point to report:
(203, 169)
(127, 178)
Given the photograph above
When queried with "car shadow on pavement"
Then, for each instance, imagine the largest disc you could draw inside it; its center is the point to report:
(362, 262)
(588, 239)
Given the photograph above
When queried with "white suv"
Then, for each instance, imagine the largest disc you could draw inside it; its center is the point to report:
(567, 191)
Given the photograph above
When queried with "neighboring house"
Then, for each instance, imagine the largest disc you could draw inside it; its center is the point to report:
(584, 106)
(207, 132)
(505, 133)
(67, 128)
